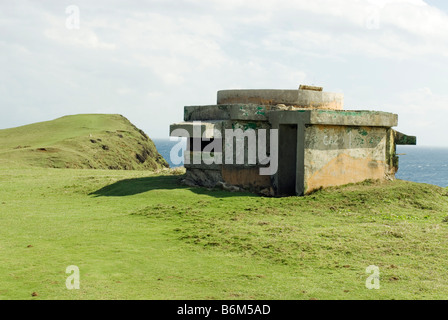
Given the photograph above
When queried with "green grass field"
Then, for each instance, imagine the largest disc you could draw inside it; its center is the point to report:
(139, 234)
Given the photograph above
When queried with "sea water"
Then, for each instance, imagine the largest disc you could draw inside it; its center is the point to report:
(423, 164)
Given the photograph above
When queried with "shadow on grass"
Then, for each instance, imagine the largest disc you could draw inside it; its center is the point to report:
(131, 187)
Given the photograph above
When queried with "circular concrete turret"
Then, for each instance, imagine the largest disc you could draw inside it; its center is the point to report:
(309, 99)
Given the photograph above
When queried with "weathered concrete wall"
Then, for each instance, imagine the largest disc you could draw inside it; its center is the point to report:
(202, 129)
(391, 154)
(245, 126)
(354, 118)
(337, 155)
(244, 112)
(308, 99)
(245, 177)
(203, 177)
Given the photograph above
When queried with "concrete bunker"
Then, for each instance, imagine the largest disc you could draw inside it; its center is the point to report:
(314, 141)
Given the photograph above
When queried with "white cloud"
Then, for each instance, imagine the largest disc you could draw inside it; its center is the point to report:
(82, 38)
(148, 59)
(422, 113)
(85, 36)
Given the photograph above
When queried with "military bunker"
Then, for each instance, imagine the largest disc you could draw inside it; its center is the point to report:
(315, 142)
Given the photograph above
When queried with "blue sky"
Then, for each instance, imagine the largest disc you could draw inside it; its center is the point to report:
(146, 60)
(440, 4)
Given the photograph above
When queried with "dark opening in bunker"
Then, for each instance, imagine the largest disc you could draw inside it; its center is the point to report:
(287, 157)
(199, 144)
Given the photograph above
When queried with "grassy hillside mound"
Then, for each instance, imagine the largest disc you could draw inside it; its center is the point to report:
(336, 224)
(93, 141)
